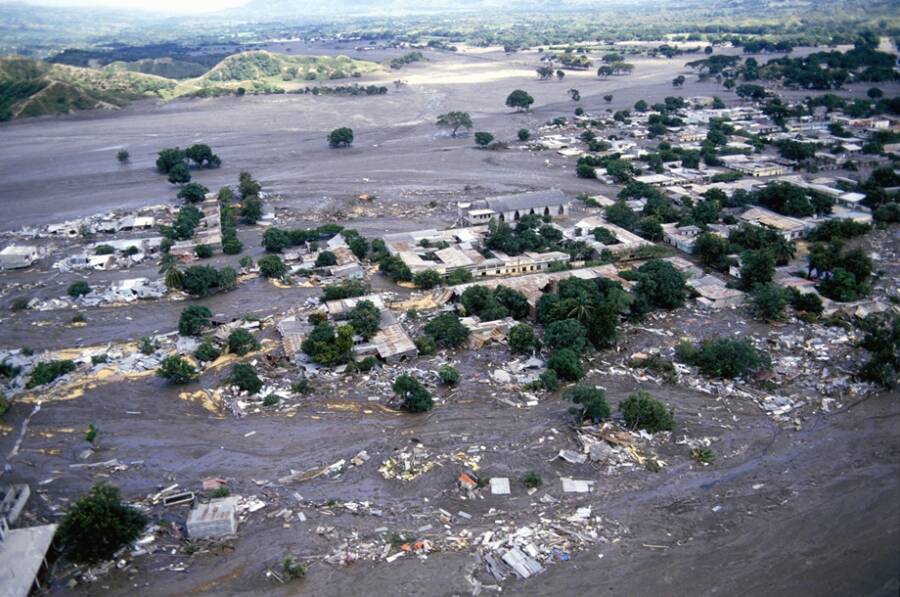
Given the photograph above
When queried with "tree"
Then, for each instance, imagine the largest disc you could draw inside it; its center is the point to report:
(341, 137)
(326, 259)
(394, 268)
(641, 106)
(193, 192)
(608, 98)
(241, 342)
(247, 186)
(275, 239)
(200, 280)
(329, 346)
(757, 267)
(768, 301)
(99, 524)
(245, 378)
(202, 155)
(641, 411)
(251, 209)
(520, 100)
(566, 364)
(712, 250)
(416, 399)
(524, 134)
(455, 121)
(659, 285)
(203, 251)
(207, 351)
(566, 333)
(447, 330)
(591, 403)
(176, 370)
(724, 357)
(365, 319)
(194, 319)
(678, 81)
(427, 279)
(874, 93)
(79, 288)
(449, 375)
(882, 340)
(483, 139)
(560, 74)
(271, 266)
(179, 174)
(123, 156)
(575, 95)
(168, 159)
(521, 338)
(48, 371)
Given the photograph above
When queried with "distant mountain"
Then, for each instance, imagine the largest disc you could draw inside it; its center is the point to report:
(35, 88)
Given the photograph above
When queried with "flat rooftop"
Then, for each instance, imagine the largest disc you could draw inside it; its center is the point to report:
(21, 554)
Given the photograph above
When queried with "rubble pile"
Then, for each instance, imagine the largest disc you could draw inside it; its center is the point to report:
(410, 463)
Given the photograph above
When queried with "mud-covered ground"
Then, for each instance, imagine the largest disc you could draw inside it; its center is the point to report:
(806, 505)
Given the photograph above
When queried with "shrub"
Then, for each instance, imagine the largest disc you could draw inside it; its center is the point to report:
(426, 345)
(340, 137)
(703, 456)
(104, 250)
(459, 276)
(148, 345)
(549, 380)
(203, 251)
(427, 279)
(807, 302)
(325, 259)
(200, 280)
(521, 338)
(659, 285)
(566, 364)
(241, 341)
(79, 288)
(768, 301)
(20, 303)
(348, 289)
(98, 525)
(591, 402)
(99, 359)
(415, 397)
(245, 378)
(724, 357)
(176, 370)
(302, 387)
(276, 239)
(271, 400)
(271, 266)
(532, 480)
(367, 364)
(193, 320)
(231, 245)
(206, 352)
(394, 268)
(449, 375)
(292, 568)
(524, 134)
(447, 330)
(483, 139)
(641, 411)
(44, 373)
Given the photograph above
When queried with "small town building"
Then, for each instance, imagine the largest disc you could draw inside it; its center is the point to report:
(510, 208)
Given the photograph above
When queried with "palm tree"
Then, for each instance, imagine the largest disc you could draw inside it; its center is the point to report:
(174, 278)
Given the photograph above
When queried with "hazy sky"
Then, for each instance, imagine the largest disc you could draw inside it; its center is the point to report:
(155, 6)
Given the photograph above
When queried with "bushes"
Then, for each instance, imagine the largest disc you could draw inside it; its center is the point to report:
(326, 259)
(806, 302)
(490, 304)
(566, 364)
(591, 403)
(206, 352)
(521, 338)
(271, 266)
(240, 342)
(769, 300)
(79, 288)
(44, 373)
(202, 280)
(203, 251)
(447, 331)
(882, 340)
(194, 319)
(425, 345)
(275, 239)
(427, 279)
(532, 480)
(723, 357)
(416, 398)
(394, 268)
(449, 375)
(98, 525)
(245, 378)
(641, 411)
(348, 289)
(659, 285)
(176, 370)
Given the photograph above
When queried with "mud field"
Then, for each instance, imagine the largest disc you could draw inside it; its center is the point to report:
(802, 505)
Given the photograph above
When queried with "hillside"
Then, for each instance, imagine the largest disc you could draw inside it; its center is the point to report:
(34, 88)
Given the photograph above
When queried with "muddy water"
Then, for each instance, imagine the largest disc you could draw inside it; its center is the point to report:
(781, 512)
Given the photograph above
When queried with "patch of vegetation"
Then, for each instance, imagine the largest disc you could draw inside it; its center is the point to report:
(47, 372)
(98, 525)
